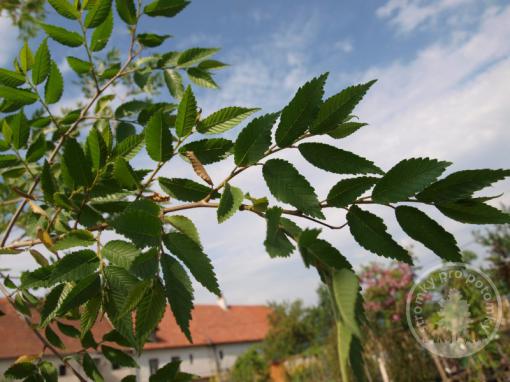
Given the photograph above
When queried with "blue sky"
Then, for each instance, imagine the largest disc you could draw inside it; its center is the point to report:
(443, 91)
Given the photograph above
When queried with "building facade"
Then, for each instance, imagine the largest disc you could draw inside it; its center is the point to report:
(220, 335)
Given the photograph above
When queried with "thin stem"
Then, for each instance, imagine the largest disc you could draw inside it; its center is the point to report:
(89, 54)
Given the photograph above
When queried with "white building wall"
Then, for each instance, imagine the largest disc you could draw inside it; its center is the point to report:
(199, 360)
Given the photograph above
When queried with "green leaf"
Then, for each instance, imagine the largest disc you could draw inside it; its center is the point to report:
(23, 97)
(190, 253)
(158, 139)
(184, 225)
(143, 228)
(345, 129)
(289, 186)
(336, 160)
(118, 357)
(26, 58)
(369, 231)
(97, 151)
(318, 250)
(54, 86)
(473, 212)
(346, 289)
(42, 63)
(192, 56)
(124, 130)
(74, 266)
(346, 191)
(186, 114)
(68, 330)
(10, 78)
(422, 228)
(76, 165)
(209, 151)
(63, 36)
(20, 370)
(75, 238)
(127, 11)
(337, 108)
(48, 183)
(120, 253)
(129, 147)
(8, 160)
(461, 185)
(89, 314)
(20, 129)
(167, 8)
(277, 243)
(201, 78)
(98, 13)
(124, 174)
(169, 372)
(90, 368)
(79, 66)
(224, 119)
(150, 312)
(407, 178)
(48, 371)
(64, 8)
(173, 81)
(179, 292)
(230, 201)
(184, 189)
(152, 40)
(36, 150)
(135, 296)
(299, 114)
(145, 266)
(211, 65)
(254, 140)
(85, 289)
(102, 34)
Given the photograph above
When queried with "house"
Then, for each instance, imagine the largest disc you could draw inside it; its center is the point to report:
(220, 334)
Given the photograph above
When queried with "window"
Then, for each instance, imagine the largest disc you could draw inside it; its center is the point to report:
(221, 354)
(191, 358)
(175, 358)
(62, 370)
(153, 365)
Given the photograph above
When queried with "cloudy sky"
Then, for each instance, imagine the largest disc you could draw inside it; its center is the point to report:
(444, 92)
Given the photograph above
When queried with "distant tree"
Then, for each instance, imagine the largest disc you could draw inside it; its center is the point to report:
(250, 367)
(25, 14)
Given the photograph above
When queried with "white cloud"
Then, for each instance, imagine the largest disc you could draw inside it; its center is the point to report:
(344, 46)
(407, 15)
(9, 43)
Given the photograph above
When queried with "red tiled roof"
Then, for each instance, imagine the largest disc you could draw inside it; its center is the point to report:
(210, 325)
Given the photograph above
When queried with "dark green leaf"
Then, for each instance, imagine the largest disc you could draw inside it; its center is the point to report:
(461, 185)
(158, 139)
(36, 150)
(209, 151)
(19, 96)
(143, 228)
(473, 212)
(231, 200)
(299, 114)
(48, 183)
(20, 370)
(224, 119)
(76, 165)
(184, 189)
(254, 140)
(201, 78)
(277, 243)
(318, 250)
(54, 86)
(98, 13)
(42, 63)
(68, 330)
(74, 266)
(63, 36)
(150, 312)
(96, 149)
(102, 34)
(169, 372)
(346, 191)
(79, 66)
(127, 11)
(129, 147)
(289, 186)
(336, 160)
(48, 371)
(10, 78)
(75, 238)
(8, 160)
(90, 368)
(184, 225)
(120, 253)
(167, 8)
(20, 129)
(407, 178)
(186, 114)
(422, 228)
(64, 8)
(118, 357)
(369, 231)
(191, 254)
(345, 129)
(83, 291)
(152, 40)
(173, 81)
(346, 289)
(192, 56)
(124, 174)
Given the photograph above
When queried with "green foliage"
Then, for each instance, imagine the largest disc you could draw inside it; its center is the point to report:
(71, 177)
